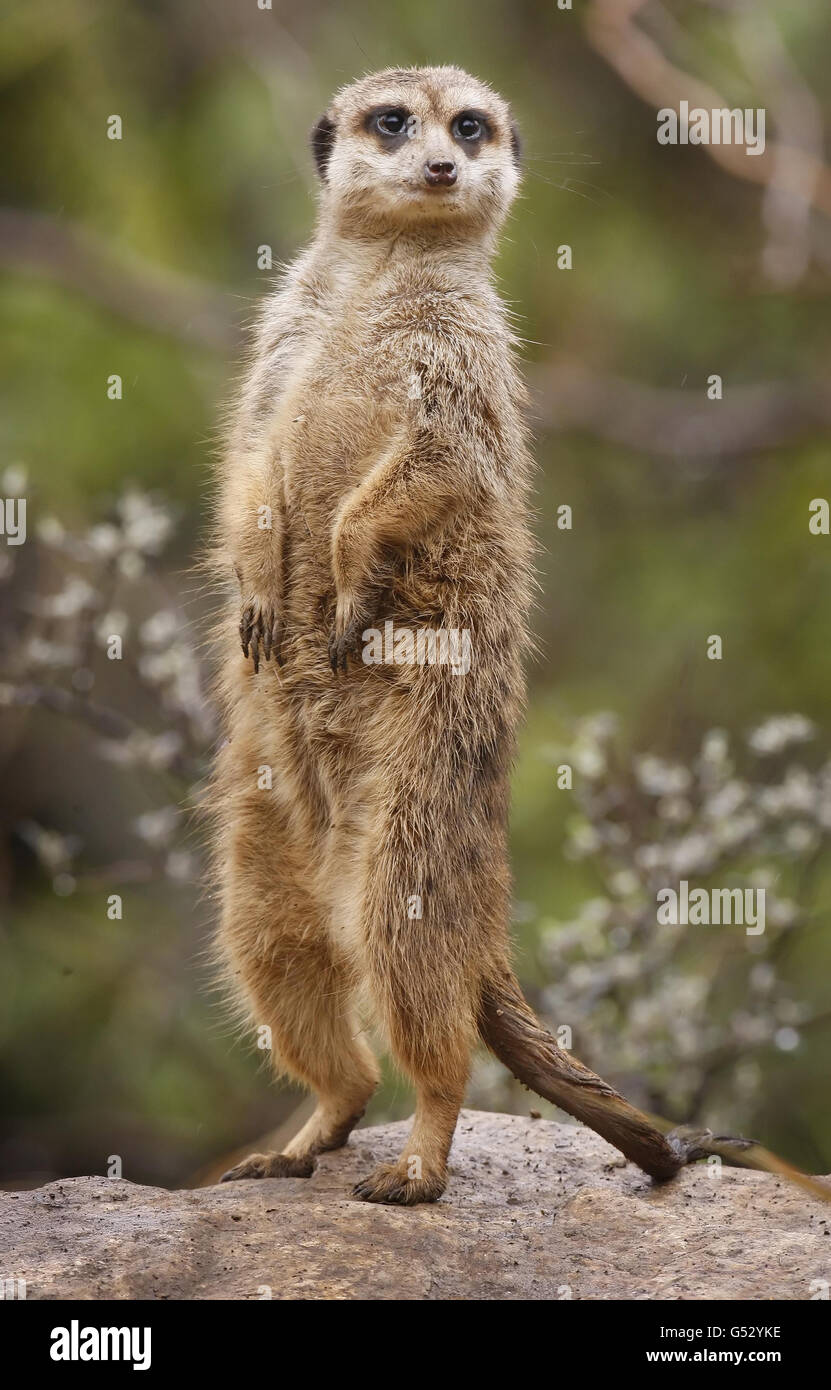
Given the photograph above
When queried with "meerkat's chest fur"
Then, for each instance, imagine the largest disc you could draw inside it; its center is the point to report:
(356, 379)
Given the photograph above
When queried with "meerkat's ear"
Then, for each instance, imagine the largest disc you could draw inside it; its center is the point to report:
(516, 144)
(323, 139)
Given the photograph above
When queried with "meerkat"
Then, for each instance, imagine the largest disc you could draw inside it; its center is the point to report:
(377, 472)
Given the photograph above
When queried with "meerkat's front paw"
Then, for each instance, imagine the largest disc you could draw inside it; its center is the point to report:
(270, 1166)
(391, 1184)
(350, 621)
(261, 631)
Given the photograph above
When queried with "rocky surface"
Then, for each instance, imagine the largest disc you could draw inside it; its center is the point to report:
(533, 1210)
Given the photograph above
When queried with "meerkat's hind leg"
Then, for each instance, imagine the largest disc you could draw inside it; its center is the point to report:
(329, 1127)
(423, 982)
(279, 953)
(341, 1070)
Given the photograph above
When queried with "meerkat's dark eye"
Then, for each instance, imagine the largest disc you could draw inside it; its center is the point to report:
(468, 127)
(391, 122)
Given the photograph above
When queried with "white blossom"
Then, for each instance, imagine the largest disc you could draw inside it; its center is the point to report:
(40, 652)
(106, 540)
(583, 840)
(624, 883)
(156, 826)
(180, 866)
(15, 478)
(691, 854)
(715, 747)
(797, 793)
(762, 977)
(589, 759)
(161, 629)
(113, 624)
(602, 726)
(74, 597)
(779, 732)
(801, 838)
(50, 531)
(147, 524)
(726, 801)
(661, 778)
(131, 564)
(54, 851)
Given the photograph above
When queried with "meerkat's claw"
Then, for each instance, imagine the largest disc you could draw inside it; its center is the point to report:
(245, 626)
(260, 634)
(341, 648)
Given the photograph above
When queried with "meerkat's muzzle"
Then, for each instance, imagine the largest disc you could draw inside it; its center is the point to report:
(440, 173)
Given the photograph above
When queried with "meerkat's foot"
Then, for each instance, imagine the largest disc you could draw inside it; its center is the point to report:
(391, 1184)
(271, 1166)
(261, 631)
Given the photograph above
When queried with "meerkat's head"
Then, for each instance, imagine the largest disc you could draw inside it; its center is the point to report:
(417, 146)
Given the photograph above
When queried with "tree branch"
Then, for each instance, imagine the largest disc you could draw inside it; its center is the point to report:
(147, 294)
(657, 421)
(639, 62)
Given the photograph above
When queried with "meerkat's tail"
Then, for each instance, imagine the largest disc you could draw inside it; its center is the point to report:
(510, 1028)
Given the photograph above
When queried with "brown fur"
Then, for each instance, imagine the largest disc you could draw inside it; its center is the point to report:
(381, 423)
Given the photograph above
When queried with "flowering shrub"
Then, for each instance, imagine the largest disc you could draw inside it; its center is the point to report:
(99, 636)
(680, 1005)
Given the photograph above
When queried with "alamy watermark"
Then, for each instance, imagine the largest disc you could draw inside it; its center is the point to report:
(720, 126)
(426, 646)
(742, 907)
(79, 1343)
(13, 519)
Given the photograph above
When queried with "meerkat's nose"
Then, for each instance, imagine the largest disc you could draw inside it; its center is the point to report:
(440, 172)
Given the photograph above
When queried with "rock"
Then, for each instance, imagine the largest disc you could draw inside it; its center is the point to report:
(533, 1210)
